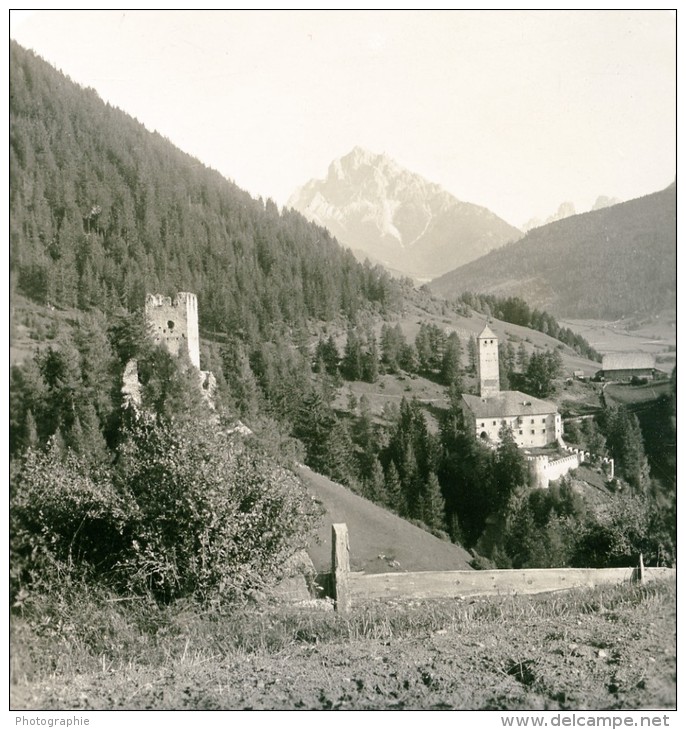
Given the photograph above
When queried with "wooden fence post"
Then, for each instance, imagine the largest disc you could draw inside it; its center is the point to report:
(340, 566)
(641, 570)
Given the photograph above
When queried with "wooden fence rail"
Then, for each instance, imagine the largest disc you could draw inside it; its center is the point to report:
(348, 586)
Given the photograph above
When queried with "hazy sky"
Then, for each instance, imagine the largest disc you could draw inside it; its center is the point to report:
(517, 111)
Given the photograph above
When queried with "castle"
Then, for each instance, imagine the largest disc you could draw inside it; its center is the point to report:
(174, 324)
(533, 422)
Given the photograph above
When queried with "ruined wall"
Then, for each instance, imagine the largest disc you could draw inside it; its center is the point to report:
(175, 323)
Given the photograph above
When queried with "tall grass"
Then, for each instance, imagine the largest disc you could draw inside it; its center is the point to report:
(92, 631)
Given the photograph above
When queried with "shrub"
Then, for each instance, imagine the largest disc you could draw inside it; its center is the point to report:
(186, 512)
(66, 523)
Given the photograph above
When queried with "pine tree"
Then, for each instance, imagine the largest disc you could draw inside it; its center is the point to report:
(351, 366)
(375, 484)
(451, 365)
(472, 351)
(394, 490)
(433, 504)
(370, 362)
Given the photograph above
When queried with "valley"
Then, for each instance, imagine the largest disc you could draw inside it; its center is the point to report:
(655, 334)
(201, 382)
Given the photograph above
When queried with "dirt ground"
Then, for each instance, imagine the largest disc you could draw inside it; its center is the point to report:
(541, 653)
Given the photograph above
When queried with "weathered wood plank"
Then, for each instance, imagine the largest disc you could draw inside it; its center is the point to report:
(460, 583)
(340, 567)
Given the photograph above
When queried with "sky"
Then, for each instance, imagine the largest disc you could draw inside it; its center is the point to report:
(517, 111)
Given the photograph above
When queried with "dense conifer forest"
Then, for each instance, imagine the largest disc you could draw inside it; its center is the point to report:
(103, 211)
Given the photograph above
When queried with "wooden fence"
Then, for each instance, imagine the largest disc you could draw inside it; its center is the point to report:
(347, 586)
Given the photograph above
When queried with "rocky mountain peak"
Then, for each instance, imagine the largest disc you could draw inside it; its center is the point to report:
(398, 218)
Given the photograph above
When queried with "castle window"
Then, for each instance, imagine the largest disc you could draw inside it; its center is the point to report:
(494, 423)
(533, 433)
(170, 324)
(520, 432)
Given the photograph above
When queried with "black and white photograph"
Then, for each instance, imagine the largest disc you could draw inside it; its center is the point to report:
(342, 365)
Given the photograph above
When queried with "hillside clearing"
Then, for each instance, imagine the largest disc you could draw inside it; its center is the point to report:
(381, 542)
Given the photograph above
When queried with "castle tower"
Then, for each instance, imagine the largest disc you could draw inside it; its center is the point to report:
(175, 324)
(488, 369)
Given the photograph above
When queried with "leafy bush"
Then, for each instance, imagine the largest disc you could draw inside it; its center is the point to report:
(66, 524)
(185, 512)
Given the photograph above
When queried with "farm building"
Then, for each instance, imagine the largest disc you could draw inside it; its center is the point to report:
(627, 365)
(534, 422)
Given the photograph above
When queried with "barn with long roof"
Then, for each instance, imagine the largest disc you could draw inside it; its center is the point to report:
(627, 365)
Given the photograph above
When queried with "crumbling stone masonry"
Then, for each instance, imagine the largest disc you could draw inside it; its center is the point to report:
(175, 323)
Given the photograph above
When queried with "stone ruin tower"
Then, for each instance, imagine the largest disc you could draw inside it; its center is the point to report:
(175, 323)
(488, 369)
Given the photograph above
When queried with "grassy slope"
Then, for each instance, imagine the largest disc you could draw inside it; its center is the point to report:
(596, 649)
(377, 536)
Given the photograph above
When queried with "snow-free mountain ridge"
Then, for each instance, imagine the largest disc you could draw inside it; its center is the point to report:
(397, 218)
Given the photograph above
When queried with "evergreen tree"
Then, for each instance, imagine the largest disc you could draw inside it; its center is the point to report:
(543, 368)
(351, 366)
(509, 470)
(394, 490)
(375, 484)
(313, 426)
(451, 365)
(593, 438)
(625, 442)
(433, 504)
(370, 362)
(473, 353)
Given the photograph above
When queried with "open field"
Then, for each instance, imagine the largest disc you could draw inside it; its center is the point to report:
(637, 395)
(609, 648)
(656, 335)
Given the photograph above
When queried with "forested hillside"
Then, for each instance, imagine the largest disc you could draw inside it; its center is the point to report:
(102, 211)
(603, 264)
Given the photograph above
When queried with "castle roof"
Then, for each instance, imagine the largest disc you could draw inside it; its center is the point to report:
(628, 361)
(488, 334)
(508, 403)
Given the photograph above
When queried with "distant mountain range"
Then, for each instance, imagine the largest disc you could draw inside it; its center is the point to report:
(606, 263)
(397, 218)
(566, 209)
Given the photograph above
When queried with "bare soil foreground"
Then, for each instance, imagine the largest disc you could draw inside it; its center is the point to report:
(612, 648)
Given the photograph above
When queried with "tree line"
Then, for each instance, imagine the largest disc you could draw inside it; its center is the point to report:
(516, 311)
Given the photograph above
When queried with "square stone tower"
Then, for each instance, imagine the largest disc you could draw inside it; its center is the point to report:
(488, 368)
(175, 323)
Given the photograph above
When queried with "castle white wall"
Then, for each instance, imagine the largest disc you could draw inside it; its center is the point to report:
(528, 431)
